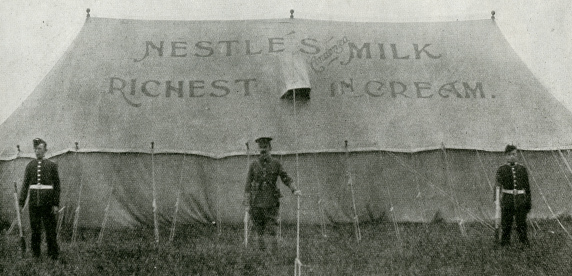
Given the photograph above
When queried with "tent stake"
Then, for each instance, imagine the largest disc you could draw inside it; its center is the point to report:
(351, 184)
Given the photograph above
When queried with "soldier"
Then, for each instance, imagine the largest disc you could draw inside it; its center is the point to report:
(41, 179)
(515, 201)
(262, 196)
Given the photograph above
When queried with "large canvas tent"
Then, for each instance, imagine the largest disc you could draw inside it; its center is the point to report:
(415, 115)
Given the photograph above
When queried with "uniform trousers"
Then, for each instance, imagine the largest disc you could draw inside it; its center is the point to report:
(510, 212)
(265, 220)
(43, 216)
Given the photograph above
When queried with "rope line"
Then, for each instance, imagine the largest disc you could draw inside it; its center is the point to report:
(433, 186)
(544, 197)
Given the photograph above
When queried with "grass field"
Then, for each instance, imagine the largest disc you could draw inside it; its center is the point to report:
(415, 249)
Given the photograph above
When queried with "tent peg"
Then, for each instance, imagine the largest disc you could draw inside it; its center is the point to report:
(493, 15)
(346, 142)
(76, 146)
(88, 10)
(18, 147)
(292, 14)
(152, 145)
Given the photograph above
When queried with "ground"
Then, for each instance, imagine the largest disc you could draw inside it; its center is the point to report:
(385, 249)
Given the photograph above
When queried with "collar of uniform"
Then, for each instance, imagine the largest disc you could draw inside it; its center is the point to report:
(265, 158)
(512, 165)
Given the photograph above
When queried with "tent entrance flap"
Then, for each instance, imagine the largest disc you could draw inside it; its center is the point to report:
(301, 94)
(295, 77)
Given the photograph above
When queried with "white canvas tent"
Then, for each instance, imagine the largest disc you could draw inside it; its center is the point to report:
(426, 110)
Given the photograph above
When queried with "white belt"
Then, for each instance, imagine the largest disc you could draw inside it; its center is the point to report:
(41, 187)
(515, 192)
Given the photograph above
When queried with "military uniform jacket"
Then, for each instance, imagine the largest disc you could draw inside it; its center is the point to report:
(511, 177)
(261, 182)
(41, 179)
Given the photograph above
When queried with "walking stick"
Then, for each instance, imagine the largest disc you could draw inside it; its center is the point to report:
(22, 240)
(497, 215)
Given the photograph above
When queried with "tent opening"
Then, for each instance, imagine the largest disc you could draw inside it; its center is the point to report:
(302, 94)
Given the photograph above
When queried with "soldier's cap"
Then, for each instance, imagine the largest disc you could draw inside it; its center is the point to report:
(263, 140)
(39, 141)
(509, 148)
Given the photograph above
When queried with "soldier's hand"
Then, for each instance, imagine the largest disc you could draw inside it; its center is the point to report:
(297, 192)
(55, 209)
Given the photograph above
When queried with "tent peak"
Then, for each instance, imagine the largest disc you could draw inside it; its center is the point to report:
(292, 14)
(493, 15)
(87, 11)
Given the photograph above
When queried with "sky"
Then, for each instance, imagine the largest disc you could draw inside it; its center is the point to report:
(35, 33)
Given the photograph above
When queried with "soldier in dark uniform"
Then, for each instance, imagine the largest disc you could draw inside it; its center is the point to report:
(41, 179)
(262, 196)
(515, 201)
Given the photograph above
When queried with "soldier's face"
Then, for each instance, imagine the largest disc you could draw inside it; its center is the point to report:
(40, 150)
(264, 149)
(511, 157)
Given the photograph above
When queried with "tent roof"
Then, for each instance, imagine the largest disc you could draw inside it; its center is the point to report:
(208, 87)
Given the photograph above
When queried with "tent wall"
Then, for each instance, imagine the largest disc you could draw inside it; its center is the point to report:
(455, 184)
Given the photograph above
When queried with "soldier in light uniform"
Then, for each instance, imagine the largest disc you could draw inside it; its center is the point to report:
(262, 196)
(42, 181)
(515, 201)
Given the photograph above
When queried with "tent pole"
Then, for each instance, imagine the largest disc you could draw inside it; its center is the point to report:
(78, 207)
(320, 207)
(172, 234)
(155, 222)
(217, 204)
(297, 262)
(350, 182)
(246, 215)
(61, 215)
